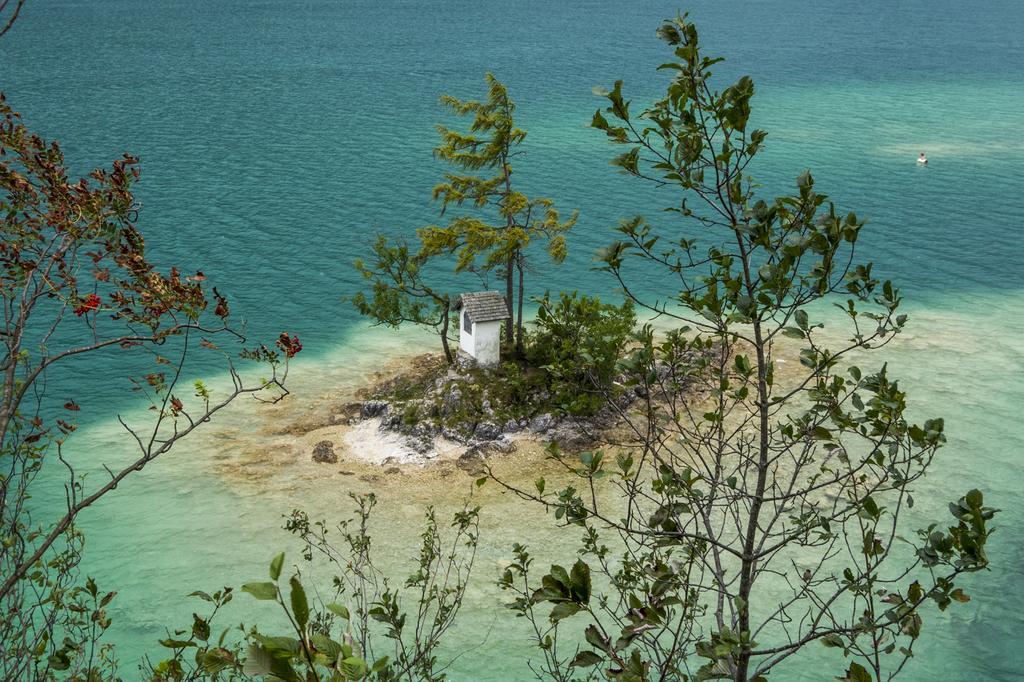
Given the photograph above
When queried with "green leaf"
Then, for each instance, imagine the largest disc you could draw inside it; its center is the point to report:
(280, 646)
(628, 161)
(339, 610)
(594, 637)
(59, 661)
(257, 661)
(857, 673)
(354, 666)
(821, 433)
(275, 566)
(200, 628)
(801, 319)
(742, 363)
(959, 595)
(832, 641)
(579, 585)
(585, 659)
(176, 643)
(564, 610)
(265, 591)
(870, 507)
(300, 606)
(215, 660)
(974, 498)
(326, 646)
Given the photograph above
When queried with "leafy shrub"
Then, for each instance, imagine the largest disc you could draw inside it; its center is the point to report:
(357, 630)
(578, 340)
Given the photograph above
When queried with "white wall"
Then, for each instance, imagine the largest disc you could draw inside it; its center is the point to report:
(487, 342)
(483, 343)
(465, 338)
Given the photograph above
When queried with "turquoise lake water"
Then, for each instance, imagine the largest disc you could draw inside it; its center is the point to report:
(277, 138)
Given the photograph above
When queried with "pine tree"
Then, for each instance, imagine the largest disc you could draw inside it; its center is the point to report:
(482, 241)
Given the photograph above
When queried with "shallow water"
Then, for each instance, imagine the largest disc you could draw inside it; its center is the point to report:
(276, 139)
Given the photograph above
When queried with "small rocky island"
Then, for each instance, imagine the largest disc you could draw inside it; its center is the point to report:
(583, 367)
(466, 413)
(433, 408)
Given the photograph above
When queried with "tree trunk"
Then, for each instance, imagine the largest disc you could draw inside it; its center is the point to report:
(445, 318)
(748, 565)
(509, 279)
(519, 317)
(510, 265)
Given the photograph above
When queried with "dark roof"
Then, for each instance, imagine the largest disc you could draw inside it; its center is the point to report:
(484, 306)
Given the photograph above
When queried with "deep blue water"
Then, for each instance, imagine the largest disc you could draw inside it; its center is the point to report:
(277, 138)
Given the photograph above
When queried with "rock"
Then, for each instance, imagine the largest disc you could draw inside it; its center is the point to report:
(464, 431)
(485, 406)
(323, 452)
(624, 400)
(487, 431)
(452, 434)
(422, 444)
(542, 423)
(479, 450)
(390, 421)
(342, 472)
(415, 430)
(503, 445)
(451, 400)
(569, 436)
(392, 470)
(472, 462)
(374, 408)
(464, 362)
(511, 426)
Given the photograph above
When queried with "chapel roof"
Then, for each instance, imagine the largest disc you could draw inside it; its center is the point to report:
(484, 306)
